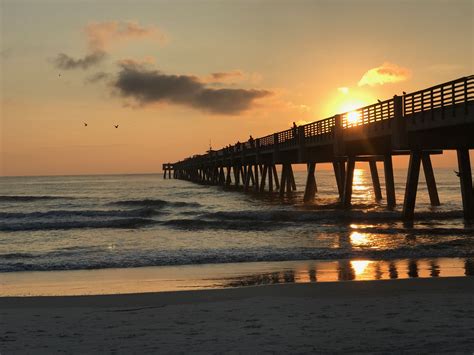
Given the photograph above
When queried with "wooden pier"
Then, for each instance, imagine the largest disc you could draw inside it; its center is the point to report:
(417, 124)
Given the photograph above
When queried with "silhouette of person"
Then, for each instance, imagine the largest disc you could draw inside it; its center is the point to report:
(294, 130)
(252, 142)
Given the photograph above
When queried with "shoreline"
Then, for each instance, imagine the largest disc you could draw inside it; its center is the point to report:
(410, 316)
(223, 276)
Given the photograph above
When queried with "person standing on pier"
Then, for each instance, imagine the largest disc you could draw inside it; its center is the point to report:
(294, 130)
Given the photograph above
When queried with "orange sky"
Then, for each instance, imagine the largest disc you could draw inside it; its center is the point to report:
(175, 75)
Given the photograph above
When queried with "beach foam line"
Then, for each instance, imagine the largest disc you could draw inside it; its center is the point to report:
(101, 258)
(26, 198)
(141, 212)
(51, 225)
(157, 203)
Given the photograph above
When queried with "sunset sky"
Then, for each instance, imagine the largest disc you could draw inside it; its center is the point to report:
(176, 74)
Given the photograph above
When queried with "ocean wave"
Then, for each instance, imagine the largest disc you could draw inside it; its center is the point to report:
(24, 198)
(104, 259)
(331, 216)
(236, 225)
(123, 223)
(157, 203)
(141, 212)
(417, 231)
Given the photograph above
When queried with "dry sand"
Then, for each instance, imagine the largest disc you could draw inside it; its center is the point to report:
(409, 316)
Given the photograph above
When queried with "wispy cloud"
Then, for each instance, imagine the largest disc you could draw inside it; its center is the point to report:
(97, 77)
(232, 77)
(65, 62)
(148, 86)
(101, 36)
(223, 76)
(384, 74)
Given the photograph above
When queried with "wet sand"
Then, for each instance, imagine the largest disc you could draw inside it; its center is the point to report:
(412, 316)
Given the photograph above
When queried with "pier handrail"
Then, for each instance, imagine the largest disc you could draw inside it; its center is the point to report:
(447, 94)
(441, 96)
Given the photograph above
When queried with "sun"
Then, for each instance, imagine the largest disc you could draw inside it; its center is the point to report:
(347, 101)
(353, 118)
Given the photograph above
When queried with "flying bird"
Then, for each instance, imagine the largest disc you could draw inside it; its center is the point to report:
(59, 75)
(457, 173)
(116, 125)
(85, 124)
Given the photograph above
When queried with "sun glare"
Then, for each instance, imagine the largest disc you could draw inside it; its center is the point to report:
(359, 266)
(353, 117)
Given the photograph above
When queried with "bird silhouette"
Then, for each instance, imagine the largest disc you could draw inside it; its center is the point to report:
(457, 173)
(116, 126)
(85, 124)
(59, 75)
(404, 93)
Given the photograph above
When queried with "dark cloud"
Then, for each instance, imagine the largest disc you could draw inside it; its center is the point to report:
(226, 75)
(95, 78)
(149, 86)
(64, 61)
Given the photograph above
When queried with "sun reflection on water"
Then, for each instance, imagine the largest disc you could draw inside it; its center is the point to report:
(360, 266)
(358, 239)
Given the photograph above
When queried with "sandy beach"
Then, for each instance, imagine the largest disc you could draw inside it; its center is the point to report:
(411, 316)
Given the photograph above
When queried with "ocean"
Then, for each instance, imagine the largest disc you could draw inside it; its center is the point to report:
(131, 221)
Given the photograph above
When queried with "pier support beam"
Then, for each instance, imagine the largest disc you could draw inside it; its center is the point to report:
(292, 179)
(264, 177)
(412, 185)
(236, 175)
(283, 180)
(287, 179)
(375, 180)
(340, 173)
(270, 178)
(465, 177)
(311, 186)
(275, 175)
(256, 184)
(349, 178)
(228, 180)
(430, 179)
(389, 181)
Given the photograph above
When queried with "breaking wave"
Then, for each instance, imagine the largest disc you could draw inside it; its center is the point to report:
(51, 225)
(23, 198)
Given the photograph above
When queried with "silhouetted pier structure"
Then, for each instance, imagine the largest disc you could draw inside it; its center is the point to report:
(418, 124)
(168, 168)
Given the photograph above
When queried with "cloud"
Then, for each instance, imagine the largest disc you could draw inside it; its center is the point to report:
(101, 35)
(221, 76)
(63, 61)
(137, 62)
(386, 73)
(97, 77)
(151, 86)
(231, 77)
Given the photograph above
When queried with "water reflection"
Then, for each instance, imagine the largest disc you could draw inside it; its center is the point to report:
(412, 268)
(392, 270)
(349, 270)
(469, 267)
(434, 268)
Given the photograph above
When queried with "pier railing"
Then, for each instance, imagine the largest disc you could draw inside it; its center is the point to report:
(442, 100)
